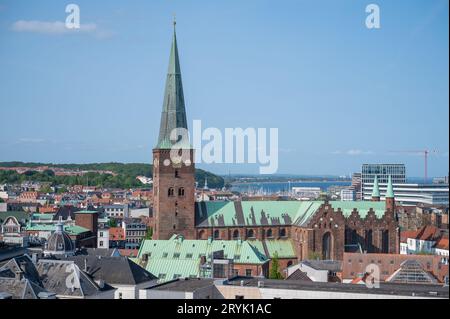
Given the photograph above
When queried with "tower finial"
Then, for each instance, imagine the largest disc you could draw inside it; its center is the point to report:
(174, 21)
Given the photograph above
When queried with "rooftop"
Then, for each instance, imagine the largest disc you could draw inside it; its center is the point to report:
(385, 288)
(190, 285)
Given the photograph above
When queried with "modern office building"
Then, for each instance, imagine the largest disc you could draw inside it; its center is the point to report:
(409, 194)
(383, 171)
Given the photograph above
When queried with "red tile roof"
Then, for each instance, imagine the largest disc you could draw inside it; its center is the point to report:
(442, 243)
(429, 233)
(116, 233)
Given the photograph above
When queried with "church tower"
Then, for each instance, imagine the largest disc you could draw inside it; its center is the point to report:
(173, 169)
(390, 197)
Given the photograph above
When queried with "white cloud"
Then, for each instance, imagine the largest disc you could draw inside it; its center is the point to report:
(57, 28)
(353, 152)
(31, 140)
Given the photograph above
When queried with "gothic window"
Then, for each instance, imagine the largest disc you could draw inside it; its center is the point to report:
(251, 233)
(236, 234)
(171, 192)
(181, 191)
(282, 232)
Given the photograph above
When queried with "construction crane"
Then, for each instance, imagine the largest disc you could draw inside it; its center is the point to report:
(425, 154)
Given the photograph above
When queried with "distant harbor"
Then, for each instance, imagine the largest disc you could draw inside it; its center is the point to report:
(282, 187)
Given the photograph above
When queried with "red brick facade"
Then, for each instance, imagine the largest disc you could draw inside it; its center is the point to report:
(174, 196)
(325, 235)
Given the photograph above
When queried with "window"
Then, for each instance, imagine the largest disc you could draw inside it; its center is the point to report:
(236, 234)
(238, 297)
(282, 232)
(188, 256)
(248, 272)
(177, 174)
(269, 233)
(120, 295)
(176, 255)
(216, 234)
(181, 191)
(101, 243)
(171, 192)
(251, 233)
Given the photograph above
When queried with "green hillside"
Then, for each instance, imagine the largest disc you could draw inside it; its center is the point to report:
(126, 177)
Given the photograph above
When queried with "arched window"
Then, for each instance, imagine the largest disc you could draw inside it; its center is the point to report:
(177, 174)
(269, 233)
(250, 233)
(282, 232)
(171, 192)
(216, 234)
(236, 234)
(181, 191)
(289, 264)
(326, 246)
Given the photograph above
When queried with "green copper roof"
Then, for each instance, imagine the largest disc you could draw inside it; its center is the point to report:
(282, 247)
(363, 207)
(178, 257)
(173, 112)
(255, 213)
(71, 230)
(42, 216)
(168, 269)
(22, 217)
(273, 213)
(390, 188)
(376, 188)
(177, 248)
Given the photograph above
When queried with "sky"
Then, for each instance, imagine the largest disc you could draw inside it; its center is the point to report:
(339, 93)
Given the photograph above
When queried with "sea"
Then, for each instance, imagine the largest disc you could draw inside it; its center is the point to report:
(280, 187)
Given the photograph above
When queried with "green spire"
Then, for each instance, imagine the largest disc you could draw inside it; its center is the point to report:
(390, 188)
(376, 189)
(173, 113)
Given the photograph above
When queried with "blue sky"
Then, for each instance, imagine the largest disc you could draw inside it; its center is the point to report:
(340, 94)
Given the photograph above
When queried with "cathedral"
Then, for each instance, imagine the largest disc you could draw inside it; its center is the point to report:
(316, 229)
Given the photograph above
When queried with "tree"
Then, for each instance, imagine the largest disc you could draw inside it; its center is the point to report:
(274, 271)
(112, 222)
(149, 233)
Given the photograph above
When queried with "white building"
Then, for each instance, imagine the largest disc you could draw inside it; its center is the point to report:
(103, 238)
(307, 192)
(427, 240)
(412, 194)
(348, 195)
(117, 211)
